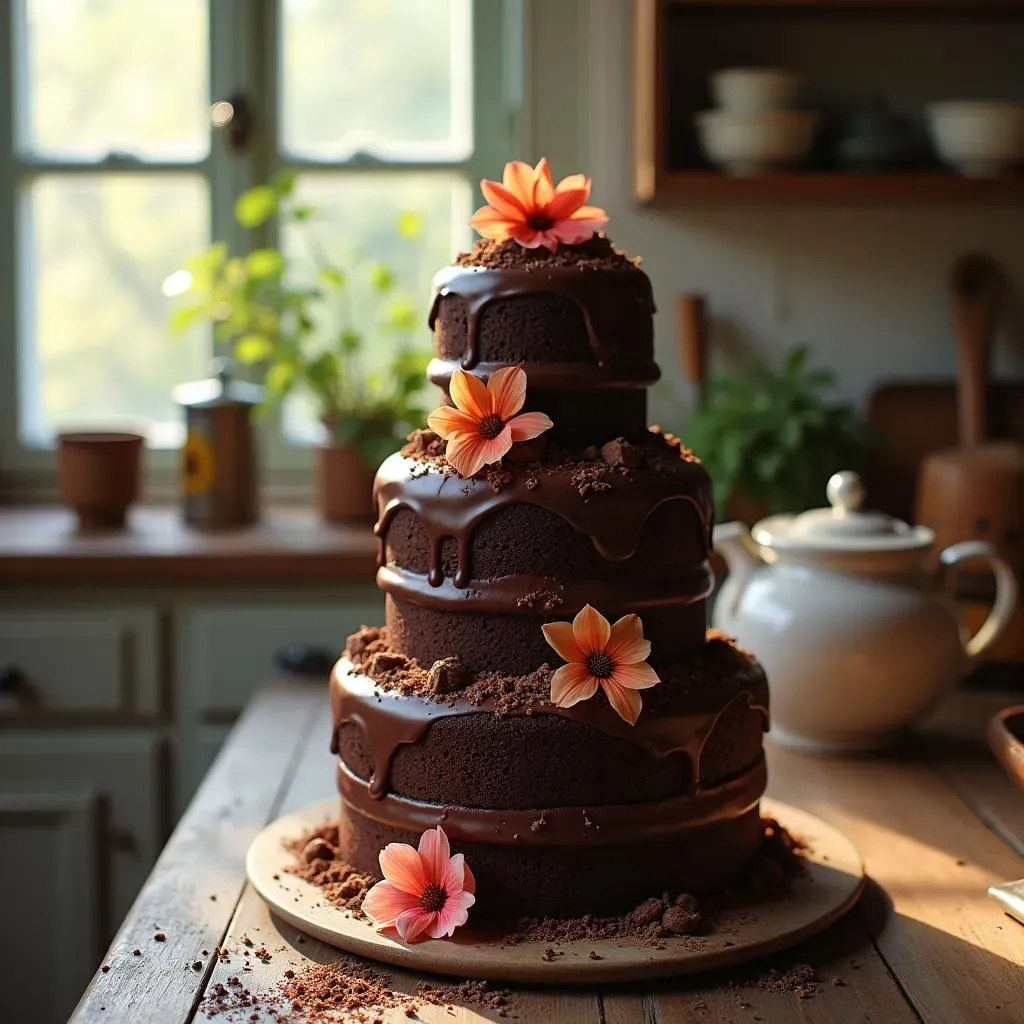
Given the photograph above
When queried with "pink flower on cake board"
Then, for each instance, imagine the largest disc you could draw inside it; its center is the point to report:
(425, 892)
(481, 424)
(526, 205)
(599, 655)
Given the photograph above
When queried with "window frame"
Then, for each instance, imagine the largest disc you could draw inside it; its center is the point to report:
(244, 55)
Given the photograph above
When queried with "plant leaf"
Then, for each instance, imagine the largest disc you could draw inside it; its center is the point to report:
(332, 276)
(381, 278)
(410, 225)
(253, 348)
(265, 263)
(256, 206)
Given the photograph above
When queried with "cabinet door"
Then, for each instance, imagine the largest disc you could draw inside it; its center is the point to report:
(50, 865)
(86, 817)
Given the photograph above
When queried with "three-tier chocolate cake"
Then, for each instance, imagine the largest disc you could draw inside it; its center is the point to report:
(566, 796)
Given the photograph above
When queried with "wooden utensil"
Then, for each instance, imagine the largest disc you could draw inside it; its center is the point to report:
(976, 490)
(692, 324)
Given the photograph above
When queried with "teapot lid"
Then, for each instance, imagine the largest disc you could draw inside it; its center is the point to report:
(220, 389)
(843, 526)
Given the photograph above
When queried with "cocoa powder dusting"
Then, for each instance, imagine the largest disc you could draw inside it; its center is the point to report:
(316, 860)
(597, 253)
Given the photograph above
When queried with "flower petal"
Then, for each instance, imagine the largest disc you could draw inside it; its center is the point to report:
(401, 866)
(528, 237)
(454, 876)
(469, 394)
(518, 178)
(507, 203)
(570, 684)
(384, 902)
(435, 853)
(627, 703)
(560, 635)
(591, 629)
(468, 455)
(627, 644)
(468, 879)
(411, 924)
(564, 204)
(528, 424)
(543, 186)
(594, 213)
(454, 914)
(507, 387)
(447, 420)
(635, 677)
(572, 232)
(491, 224)
(571, 182)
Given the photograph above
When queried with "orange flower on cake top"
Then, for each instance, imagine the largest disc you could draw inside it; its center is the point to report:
(599, 655)
(481, 425)
(526, 205)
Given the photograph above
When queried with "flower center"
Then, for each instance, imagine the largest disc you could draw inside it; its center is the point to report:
(434, 898)
(491, 426)
(600, 666)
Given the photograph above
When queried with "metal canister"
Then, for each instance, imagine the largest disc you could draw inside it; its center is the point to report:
(218, 460)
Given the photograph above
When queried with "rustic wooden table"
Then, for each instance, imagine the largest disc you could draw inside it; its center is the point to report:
(936, 826)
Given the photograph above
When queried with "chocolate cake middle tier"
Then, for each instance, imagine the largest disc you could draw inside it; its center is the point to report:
(473, 568)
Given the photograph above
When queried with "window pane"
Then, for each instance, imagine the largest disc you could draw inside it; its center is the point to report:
(95, 344)
(411, 224)
(391, 78)
(116, 75)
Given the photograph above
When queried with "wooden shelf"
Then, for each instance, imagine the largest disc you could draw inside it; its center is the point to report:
(680, 43)
(679, 188)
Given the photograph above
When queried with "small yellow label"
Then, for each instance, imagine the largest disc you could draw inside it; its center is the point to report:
(197, 464)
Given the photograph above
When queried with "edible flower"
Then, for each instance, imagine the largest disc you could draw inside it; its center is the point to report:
(481, 425)
(599, 655)
(527, 206)
(425, 892)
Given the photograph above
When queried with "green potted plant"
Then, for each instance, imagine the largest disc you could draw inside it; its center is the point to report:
(770, 439)
(292, 317)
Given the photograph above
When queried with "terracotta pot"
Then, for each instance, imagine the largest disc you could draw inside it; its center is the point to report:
(99, 475)
(344, 485)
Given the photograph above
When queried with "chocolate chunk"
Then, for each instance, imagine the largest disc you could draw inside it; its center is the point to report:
(447, 675)
(621, 453)
(385, 661)
(649, 912)
(681, 921)
(317, 849)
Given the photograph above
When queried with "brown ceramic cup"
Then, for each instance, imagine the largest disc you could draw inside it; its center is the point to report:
(99, 476)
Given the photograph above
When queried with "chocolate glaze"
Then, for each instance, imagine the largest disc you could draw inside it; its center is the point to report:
(389, 719)
(592, 291)
(558, 376)
(603, 825)
(449, 506)
(506, 595)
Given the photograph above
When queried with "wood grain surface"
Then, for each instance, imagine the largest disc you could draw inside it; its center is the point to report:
(936, 824)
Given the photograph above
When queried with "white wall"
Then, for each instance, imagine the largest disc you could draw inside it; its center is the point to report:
(866, 288)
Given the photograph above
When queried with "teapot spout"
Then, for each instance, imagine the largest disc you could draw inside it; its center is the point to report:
(741, 556)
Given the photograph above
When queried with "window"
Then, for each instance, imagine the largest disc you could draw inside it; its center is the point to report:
(118, 172)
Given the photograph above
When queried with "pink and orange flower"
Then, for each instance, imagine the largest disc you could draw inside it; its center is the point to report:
(482, 423)
(425, 892)
(526, 205)
(600, 655)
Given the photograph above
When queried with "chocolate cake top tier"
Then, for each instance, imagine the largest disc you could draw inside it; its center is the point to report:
(578, 318)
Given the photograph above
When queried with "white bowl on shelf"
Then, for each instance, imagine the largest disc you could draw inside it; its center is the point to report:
(754, 90)
(980, 138)
(751, 144)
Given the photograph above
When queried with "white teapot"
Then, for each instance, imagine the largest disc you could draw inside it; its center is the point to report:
(857, 637)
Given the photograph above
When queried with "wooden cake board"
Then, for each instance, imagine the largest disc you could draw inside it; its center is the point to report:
(834, 881)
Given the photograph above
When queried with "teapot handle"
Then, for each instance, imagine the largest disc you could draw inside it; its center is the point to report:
(1006, 592)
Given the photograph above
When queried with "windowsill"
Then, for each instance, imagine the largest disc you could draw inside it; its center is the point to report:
(40, 544)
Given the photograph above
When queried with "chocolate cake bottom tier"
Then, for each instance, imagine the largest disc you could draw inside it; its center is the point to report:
(559, 811)
(571, 881)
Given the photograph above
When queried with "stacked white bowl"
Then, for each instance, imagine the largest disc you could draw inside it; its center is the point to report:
(755, 129)
(980, 138)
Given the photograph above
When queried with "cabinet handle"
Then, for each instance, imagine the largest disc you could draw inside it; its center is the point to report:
(306, 660)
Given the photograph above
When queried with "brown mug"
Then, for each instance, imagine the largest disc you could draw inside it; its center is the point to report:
(99, 476)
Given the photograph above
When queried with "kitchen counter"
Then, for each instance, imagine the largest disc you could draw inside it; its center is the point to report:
(936, 825)
(41, 545)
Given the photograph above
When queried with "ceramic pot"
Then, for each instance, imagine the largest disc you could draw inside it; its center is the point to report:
(859, 639)
(344, 484)
(99, 476)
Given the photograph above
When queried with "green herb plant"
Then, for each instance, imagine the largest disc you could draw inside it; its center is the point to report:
(770, 439)
(271, 314)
